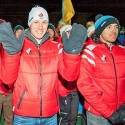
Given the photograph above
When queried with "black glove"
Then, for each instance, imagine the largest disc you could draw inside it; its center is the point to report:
(118, 116)
(10, 43)
(75, 43)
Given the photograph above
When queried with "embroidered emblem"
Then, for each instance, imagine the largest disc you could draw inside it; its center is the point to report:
(29, 51)
(103, 58)
(40, 14)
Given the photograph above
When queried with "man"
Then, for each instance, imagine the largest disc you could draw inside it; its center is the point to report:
(35, 95)
(90, 28)
(51, 30)
(9, 61)
(52, 33)
(18, 30)
(102, 74)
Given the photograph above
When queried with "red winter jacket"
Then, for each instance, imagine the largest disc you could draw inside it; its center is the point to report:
(61, 87)
(9, 68)
(65, 86)
(71, 86)
(36, 88)
(102, 78)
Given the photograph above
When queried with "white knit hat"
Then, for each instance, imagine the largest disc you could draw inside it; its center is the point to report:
(36, 13)
(90, 30)
(65, 28)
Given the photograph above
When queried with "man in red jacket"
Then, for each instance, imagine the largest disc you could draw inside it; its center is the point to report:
(102, 74)
(35, 94)
(9, 62)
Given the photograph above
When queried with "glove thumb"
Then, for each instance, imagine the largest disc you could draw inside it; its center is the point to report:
(64, 38)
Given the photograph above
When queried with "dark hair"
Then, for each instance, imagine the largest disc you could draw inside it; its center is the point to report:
(95, 38)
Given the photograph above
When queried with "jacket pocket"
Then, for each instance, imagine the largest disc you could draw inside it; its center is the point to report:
(21, 98)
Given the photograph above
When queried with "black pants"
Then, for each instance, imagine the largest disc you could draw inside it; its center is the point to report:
(69, 109)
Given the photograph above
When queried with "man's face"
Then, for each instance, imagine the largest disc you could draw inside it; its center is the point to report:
(39, 28)
(18, 33)
(51, 32)
(110, 33)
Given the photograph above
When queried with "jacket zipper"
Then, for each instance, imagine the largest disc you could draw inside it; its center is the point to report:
(40, 81)
(21, 98)
(115, 77)
(56, 98)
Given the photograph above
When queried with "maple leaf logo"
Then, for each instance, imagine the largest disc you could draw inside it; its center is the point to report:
(40, 14)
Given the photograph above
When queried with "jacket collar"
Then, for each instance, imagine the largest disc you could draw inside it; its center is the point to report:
(29, 36)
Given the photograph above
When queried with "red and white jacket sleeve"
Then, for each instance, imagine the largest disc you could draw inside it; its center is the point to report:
(9, 67)
(69, 65)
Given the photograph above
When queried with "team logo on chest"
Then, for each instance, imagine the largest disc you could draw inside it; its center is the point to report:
(103, 58)
(29, 51)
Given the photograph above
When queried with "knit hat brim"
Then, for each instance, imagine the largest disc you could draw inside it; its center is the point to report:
(51, 26)
(17, 27)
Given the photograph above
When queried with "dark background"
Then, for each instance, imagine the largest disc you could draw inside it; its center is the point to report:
(16, 11)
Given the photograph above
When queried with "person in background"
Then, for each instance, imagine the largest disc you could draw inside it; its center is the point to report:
(121, 36)
(90, 28)
(9, 61)
(35, 94)
(59, 26)
(63, 101)
(51, 30)
(67, 29)
(69, 104)
(66, 115)
(52, 33)
(61, 82)
(102, 75)
(18, 30)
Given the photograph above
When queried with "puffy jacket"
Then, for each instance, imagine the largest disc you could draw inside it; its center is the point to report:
(66, 87)
(71, 86)
(36, 88)
(102, 78)
(61, 87)
(9, 70)
(5, 89)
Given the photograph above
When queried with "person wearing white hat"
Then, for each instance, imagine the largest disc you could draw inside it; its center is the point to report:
(18, 30)
(35, 94)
